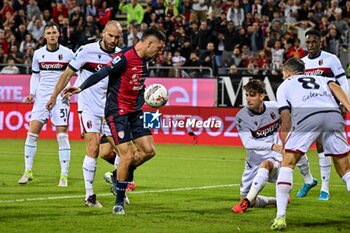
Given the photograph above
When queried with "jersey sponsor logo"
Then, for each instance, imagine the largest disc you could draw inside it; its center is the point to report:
(323, 71)
(267, 130)
(52, 65)
(93, 67)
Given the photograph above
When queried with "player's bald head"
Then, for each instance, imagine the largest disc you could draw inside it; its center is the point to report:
(113, 23)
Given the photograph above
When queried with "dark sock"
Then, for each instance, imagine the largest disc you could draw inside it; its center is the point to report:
(121, 186)
(132, 168)
(111, 160)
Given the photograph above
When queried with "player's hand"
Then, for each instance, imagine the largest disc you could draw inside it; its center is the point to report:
(69, 91)
(277, 148)
(29, 99)
(51, 103)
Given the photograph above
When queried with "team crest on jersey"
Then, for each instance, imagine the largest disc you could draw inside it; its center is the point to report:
(320, 62)
(273, 115)
(99, 56)
(42, 56)
(89, 124)
(121, 134)
(255, 122)
(60, 56)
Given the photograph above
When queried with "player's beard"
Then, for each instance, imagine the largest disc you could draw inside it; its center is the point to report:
(109, 46)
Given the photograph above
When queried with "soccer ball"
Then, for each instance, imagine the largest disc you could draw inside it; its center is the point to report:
(156, 95)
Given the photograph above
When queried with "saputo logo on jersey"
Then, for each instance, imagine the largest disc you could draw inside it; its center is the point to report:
(267, 130)
(154, 120)
(52, 66)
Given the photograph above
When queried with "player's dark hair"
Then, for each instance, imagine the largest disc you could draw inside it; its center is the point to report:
(294, 65)
(255, 85)
(313, 32)
(153, 32)
(50, 25)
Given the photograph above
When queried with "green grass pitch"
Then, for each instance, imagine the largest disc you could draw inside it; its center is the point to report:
(185, 188)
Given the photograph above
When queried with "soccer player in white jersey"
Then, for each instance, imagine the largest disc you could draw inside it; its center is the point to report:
(309, 112)
(326, 65)
(88, 60)
(48, 64)
(258, 125)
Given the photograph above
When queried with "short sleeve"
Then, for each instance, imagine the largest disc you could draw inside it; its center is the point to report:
(35, 63)
(282, 100)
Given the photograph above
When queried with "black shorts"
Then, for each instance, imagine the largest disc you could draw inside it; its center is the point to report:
(103, 139)
(125, 128)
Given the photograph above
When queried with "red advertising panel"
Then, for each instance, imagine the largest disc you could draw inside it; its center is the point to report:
(179, 124)
(186, 125)
(183, 92)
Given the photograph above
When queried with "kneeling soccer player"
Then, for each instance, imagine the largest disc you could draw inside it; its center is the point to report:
(258, 125)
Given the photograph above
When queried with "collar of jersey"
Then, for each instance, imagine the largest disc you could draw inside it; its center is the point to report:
(52, 51)
(99, 44)
(316, 56)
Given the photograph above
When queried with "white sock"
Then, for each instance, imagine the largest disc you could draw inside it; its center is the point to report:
(89, 169)
(262, 201)
(304, 168)
(284, 186)
(30, 150)
(116, 161)
(325, 168)
(63, 152)
(258, 184)
(346, 179)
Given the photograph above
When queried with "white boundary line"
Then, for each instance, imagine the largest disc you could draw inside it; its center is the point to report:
(110, 194)
(134, 192)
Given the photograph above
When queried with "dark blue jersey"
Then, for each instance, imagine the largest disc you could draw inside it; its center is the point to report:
(127, 72)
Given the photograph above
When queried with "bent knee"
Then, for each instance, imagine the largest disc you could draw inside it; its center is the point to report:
(266, 164)
(93, 150)
(150, 152)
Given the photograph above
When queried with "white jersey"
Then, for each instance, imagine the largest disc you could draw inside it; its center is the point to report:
(49, 65)
(258, 132)
(89, 59)
(326, 65)
(306, 95)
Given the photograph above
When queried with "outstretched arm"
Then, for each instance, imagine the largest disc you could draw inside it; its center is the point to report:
(90, 81)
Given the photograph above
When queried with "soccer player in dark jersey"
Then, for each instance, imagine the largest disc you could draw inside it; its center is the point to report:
(127, 71)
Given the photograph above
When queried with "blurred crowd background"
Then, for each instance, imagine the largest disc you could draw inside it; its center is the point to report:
(206, 38)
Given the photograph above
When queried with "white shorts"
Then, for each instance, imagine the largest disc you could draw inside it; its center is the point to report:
(250, 172)
(93, 124)
(327, 128)
(59, 114)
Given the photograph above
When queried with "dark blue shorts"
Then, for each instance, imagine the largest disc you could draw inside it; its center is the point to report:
(125, 128)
